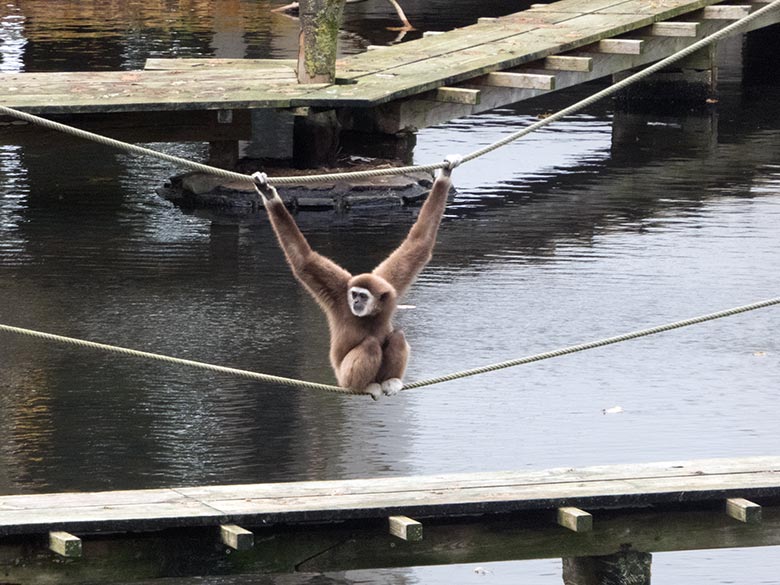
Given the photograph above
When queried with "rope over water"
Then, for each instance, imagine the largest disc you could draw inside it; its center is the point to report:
(438, 380)
(139, 150)
(233, 176)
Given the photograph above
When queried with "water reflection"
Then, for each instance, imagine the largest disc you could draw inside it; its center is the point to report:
(604, 223)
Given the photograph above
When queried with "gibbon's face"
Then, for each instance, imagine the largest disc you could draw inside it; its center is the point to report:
(361, 301)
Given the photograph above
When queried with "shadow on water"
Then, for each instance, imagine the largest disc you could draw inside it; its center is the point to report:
(604, 223)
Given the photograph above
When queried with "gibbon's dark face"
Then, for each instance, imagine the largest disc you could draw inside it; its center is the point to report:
(369, 295)
(361, 301)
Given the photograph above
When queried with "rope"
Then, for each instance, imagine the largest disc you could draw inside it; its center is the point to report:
(454, 376)
(142, 151)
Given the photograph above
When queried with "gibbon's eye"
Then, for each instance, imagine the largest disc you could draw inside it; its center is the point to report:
(358, 295)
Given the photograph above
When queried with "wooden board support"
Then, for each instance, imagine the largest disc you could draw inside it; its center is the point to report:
(725, 12)
(619, 46)
(575, 519)
(675, 29)
(568, 63)
(743, 510)
(236, 537)
(65, 544)
(457, 95)
(405, 528)
(519, 80)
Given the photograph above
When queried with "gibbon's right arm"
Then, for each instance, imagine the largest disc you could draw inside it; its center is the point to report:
(323, 278)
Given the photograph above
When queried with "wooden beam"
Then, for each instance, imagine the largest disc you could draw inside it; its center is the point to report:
(406, 528)
(618, 46)
(743, 510)
(65, 544)
(575, 519)
(519, 80)
(457, 95)
(432, 33)
(675, 29)
(236, 537)
(486, 19)
(568, 63)
(725, 12)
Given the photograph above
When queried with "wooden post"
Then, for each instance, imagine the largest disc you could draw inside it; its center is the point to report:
(318, 40)
(627, 567)
(316, 137)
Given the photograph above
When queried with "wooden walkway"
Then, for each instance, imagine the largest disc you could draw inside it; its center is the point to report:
(548, 43)
(340, 525)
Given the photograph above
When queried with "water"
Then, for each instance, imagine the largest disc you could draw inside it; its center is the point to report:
(560, 238)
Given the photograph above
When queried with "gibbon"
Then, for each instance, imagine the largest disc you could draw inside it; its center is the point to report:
(367, 353)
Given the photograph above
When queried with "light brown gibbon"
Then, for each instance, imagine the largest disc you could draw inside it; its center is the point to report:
(367, 353)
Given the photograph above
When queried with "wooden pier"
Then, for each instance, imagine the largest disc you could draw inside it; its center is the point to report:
(608, 514)
(495, 62)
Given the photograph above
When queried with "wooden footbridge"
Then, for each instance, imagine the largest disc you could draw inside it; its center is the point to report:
(610, 515)
(495, 62)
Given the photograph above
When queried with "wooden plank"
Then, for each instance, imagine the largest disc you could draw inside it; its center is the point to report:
(619, 46)
(743, 510)
(590, 488)
(675, 29)
(457, 95)
(518, 80)
(575, 519)
(65, 544)
(405, 528)
(568, 63)
(236, 537)
(725, 12)
(398, 115)
(281, 66)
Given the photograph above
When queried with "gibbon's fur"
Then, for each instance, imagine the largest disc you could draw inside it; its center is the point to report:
(366, 352)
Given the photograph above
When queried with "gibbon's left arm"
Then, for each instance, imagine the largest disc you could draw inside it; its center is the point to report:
(323, 278)
(405, 263)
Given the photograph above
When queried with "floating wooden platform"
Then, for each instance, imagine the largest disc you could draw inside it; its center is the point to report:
(433, 496)
(541, 39)
(337, 525)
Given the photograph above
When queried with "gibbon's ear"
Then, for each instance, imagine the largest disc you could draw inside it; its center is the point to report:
(384, 296)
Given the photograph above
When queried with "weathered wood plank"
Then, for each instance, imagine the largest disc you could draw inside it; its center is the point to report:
(675, 29)
(618, 46)
(743, 510)
(236, 537)
(277, 66)
(568, 63)
(457, 95)
(726, 12)
(518, 80)
(575, 519)
(65, 544)
(405, 528)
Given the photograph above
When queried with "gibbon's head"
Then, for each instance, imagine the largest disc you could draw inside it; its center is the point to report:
(369, 295)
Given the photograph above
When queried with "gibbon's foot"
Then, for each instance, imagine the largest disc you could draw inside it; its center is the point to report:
(392, 386)
(452, 160)
(266, 191)
(374, 390)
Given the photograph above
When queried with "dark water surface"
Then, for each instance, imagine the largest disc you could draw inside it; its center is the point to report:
(560, 238)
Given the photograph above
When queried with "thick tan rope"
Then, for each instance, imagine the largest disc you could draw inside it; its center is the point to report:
(132, 148)
(438, 380)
